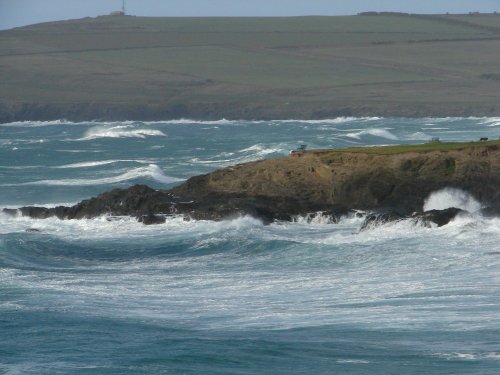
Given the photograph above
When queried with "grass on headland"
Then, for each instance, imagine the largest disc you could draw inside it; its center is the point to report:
(400, 149)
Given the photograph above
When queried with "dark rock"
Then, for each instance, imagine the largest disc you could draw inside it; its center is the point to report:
(491, 210)
(151, 219)
(329, 181)
(11, 211)
(439, 217)
(36, 212)
(319, 216)
(376, 219)
(427, 218)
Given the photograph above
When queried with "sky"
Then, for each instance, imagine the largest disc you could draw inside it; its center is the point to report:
(15, 13)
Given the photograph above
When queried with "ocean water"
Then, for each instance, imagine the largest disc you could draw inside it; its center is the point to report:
(234, 297)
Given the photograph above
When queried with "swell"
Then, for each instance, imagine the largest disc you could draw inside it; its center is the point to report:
(152, 172)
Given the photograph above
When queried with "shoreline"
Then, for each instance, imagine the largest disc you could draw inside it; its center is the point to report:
(333, 181)
(390, 65)
(97, 113)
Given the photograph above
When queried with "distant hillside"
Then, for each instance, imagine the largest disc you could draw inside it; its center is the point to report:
(122, 67)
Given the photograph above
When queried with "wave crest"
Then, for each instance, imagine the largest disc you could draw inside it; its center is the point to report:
(121, 131)
(451, 197)
(376, 132)
(152, 171)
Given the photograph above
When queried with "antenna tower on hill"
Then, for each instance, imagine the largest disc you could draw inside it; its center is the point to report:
(123, 7)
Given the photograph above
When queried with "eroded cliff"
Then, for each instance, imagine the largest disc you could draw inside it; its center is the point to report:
(384, 178)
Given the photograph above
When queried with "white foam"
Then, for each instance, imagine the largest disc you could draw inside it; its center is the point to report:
(490, 120)
(382, 133)
(386, 282)
(451, 197)
(121, 131)
(100, 162)
(123, 226)
(248, 154)
(220, 161)
(37, 123)
(262, 150)
(353, 361)
(418, 136)
(316, 218)
(186, 121)
(495, 356)
(152, 171)
(337, 120)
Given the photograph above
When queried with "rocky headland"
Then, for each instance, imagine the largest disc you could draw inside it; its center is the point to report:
(390, 182)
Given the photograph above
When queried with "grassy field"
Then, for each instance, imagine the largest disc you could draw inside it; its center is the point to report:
(401, 149)
(298, 67)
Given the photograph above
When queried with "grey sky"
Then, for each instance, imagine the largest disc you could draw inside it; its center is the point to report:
(23, 12)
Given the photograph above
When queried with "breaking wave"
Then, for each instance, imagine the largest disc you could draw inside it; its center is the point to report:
(451, 197)
(121, 131)
(248, 154)
(152, 171)
(382, 133)
(99, 163)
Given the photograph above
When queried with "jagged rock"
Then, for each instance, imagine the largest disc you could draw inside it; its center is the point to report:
(322, 217)
(377, 219)
(438, 217)
(151, 219)
(334, 181)
(11, 211)
(427, 218)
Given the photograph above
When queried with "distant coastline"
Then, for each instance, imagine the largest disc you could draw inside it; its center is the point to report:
(92, 112)
(116, 68)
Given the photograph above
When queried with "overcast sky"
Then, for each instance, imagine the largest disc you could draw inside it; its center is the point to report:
(24, 12)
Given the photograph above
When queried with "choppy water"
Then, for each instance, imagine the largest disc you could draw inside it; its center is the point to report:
(117, 297)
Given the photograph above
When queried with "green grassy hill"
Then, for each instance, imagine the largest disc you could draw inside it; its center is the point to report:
(302, 67)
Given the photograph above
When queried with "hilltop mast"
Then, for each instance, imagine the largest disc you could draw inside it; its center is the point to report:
(123, 7)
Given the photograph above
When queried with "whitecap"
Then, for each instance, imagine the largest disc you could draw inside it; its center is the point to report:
(451, 197)
(37, 123)
(316, 218)
(353, 361)
(122, 131)
(124, 226)
(152, 171)
(186, 121)
(337, 120)
(262, 150)
(376, 132)
(470, 356)
(98, 163)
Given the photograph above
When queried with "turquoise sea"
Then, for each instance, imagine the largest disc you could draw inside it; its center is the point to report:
(234, 297)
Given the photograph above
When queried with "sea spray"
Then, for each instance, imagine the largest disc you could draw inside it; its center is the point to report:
(451, 197)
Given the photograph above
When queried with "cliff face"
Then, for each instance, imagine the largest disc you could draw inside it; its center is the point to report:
(361, 180)
(334, 181)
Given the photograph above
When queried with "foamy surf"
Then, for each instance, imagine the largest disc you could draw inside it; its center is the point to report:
(248, 154)
(151, 172)
(381, 133)
(120, 131)
(187, 295)
(119, 227)
(451, 197)
(98, 163)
